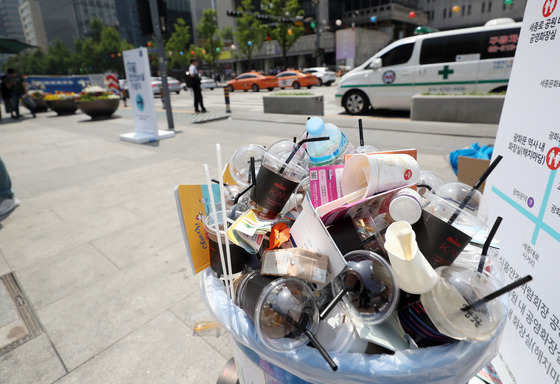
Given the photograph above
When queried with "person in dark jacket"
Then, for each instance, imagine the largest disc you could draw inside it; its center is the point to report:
(7, 97)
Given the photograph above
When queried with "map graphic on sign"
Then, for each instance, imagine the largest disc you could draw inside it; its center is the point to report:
(525, 191)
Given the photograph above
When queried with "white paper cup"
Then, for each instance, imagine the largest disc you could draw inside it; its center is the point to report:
(379, 173)
(413, 272)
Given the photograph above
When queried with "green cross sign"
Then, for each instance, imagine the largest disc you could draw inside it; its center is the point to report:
(445, 72)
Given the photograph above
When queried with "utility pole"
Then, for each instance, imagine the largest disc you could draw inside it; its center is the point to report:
(162, 63)
(318, 31)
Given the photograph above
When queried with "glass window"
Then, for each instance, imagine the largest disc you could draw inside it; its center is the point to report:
(483, 7)
(469, 9)
(398, 55)
(446, 49)
(444, 13)
(489, 6)
(498, 44)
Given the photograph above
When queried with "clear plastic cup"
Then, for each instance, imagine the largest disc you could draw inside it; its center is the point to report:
(456, 192)
(378, 293)
(240, 163)
(444, 230)
(273, 304)
(276, 181)
(456, 288)
(239, 256)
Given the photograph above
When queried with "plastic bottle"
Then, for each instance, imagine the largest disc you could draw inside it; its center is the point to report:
(330, 151)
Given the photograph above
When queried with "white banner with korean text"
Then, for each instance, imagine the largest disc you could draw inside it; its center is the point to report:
(524, 189)
(138, 76)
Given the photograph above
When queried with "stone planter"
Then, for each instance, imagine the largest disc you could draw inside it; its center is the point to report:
(99, 108)
(40, 105)
(296, 104)
(483, 109)
(62, 107)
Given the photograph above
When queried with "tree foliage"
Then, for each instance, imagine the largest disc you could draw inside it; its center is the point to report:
(286, 34)
(176, 47)
(250, 33)
(210, 37)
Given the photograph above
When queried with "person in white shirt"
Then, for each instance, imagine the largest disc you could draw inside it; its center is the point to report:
(195, 82)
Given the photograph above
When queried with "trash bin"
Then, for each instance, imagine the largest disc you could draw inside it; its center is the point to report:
(454, 363)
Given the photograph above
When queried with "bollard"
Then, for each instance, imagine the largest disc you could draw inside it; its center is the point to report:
(226, 96)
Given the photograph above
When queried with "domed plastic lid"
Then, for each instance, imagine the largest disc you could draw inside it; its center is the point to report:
(315, 126)
(285, 308)
(240, 163)
(456, 192)
(374, 298)
(283, 150)
(456, 288)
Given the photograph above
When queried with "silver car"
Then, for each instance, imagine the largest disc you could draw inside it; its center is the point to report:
(325, 75)
(173, 84)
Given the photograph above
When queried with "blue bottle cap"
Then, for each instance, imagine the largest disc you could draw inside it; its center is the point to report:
(315, 126)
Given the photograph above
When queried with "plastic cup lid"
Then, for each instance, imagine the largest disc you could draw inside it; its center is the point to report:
(240, 163)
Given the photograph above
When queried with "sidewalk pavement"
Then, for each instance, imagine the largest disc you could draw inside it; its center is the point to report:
(97, 249)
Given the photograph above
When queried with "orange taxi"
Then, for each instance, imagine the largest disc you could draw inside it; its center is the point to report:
(296, 79)
(254, 81)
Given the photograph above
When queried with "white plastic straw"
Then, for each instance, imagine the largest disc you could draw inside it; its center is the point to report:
(216, 224)
(224, 217)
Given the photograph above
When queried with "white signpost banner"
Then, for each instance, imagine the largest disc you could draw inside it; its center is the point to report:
(138, 75)
(524, 189)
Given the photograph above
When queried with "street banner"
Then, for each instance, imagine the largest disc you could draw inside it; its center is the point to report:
(138, 75)
(525, 190)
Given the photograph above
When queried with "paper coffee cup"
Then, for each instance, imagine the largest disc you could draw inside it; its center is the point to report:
(379, 173)
(413, 272)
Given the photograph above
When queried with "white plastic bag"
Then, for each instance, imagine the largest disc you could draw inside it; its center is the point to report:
(453, 363)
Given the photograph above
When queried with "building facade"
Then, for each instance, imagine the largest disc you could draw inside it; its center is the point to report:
(69, 20)
(453, 14)
(10, 24)
(32, 24)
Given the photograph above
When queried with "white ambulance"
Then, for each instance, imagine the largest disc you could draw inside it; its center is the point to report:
(466, 60)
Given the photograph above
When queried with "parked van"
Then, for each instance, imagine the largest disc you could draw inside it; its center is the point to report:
(475, 59)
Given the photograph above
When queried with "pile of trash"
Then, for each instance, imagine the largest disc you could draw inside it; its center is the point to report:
(352, 251)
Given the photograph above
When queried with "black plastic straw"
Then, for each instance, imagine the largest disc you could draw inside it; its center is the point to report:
(333, 303)
(361, 130)
(498, 293)
(352, 283)
(487, 243)
(253, 172)
(253, 181)
(297, 149)
(475, 188)
(312, 339)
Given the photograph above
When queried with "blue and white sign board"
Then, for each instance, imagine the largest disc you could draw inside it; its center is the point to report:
(138, 75)
(525, 190)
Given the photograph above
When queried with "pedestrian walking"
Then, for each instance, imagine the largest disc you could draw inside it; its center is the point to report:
(18, 87)
(7, 97)
(8, 202)
(195, 84)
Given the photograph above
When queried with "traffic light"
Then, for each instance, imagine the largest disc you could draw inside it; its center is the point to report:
(312, 24)
(234, 13)
(262, 17)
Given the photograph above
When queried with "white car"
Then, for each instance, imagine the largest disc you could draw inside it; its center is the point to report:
(207, 83)
(173, 84)
(325, 75)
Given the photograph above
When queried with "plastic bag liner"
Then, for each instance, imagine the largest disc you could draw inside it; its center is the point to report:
(454, 363)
